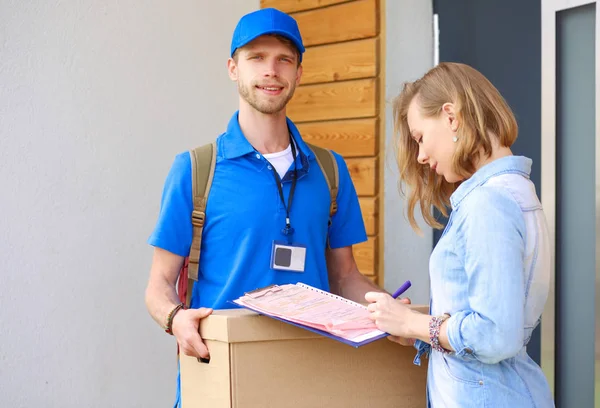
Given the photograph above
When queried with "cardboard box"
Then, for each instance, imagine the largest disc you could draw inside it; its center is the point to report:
(259, 362)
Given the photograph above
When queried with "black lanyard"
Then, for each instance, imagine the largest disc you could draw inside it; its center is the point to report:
(288, 230)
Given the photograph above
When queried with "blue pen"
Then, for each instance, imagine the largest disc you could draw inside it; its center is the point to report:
(402, 289)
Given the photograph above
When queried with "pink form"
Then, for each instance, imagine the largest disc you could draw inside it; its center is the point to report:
(312, 307)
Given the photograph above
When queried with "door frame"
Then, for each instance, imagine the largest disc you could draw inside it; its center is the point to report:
(548, 168)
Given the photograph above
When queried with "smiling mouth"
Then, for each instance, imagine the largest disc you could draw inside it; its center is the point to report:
(270, 88)
(433, 167)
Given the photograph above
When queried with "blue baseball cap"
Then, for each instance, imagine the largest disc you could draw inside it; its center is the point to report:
(266, 21)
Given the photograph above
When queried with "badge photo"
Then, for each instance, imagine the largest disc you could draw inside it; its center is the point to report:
(288, 257)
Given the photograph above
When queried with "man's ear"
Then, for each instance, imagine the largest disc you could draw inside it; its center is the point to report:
(299, 75)
(449, 109)
(232, 69)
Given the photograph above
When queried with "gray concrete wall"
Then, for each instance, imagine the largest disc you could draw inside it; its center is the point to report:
(409, 54)
(96, 98)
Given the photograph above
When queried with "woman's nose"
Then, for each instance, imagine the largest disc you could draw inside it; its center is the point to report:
(422, 158)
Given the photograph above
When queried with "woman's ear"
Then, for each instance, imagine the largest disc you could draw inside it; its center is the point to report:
(450, 114)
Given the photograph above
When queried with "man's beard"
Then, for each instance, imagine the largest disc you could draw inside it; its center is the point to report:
(264, 105)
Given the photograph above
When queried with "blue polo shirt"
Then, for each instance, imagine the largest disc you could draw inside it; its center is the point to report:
(244, 215)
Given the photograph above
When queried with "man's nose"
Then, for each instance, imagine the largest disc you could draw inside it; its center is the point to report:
(271, 68)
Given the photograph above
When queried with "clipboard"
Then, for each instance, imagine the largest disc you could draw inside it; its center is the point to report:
(315, 310)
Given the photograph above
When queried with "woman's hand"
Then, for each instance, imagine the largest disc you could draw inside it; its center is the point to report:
(392, 316)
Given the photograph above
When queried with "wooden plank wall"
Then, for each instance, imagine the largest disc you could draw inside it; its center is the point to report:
(338, 103)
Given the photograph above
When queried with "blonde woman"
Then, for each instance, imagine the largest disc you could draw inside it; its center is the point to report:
(490, 270)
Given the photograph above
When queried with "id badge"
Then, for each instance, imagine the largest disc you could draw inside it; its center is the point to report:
(288, 257)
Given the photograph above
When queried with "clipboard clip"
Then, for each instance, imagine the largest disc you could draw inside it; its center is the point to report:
(256, 293)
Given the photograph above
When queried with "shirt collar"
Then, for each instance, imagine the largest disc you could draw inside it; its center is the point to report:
(505, 165)
(236, 145)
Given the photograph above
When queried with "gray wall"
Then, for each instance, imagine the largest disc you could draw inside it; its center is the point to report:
(409, 54)
(96, 98)
(502, 40)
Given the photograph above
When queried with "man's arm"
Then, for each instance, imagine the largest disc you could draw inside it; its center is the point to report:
(344, 277)
(161, 295)
(161, 299)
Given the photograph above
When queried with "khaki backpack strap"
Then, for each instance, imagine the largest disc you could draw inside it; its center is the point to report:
(203, 169)
(329, 167)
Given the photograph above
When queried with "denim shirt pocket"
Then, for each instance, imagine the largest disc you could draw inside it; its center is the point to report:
(462, 380)
(462, 371)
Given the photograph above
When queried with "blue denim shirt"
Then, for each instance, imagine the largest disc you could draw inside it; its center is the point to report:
(490, 271)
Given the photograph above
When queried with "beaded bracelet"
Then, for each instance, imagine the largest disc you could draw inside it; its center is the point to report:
(434, 332)
(169, 326)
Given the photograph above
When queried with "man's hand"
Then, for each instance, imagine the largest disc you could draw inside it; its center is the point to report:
(344, 277)
(186, 324)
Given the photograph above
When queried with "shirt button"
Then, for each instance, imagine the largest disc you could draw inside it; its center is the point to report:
(269, 167)
(480, 382)
(257, 156)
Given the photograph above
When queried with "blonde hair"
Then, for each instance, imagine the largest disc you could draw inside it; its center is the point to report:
(482, 113)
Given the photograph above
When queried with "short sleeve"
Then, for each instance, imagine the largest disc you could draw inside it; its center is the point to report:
(347, 225)
(173, 230)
